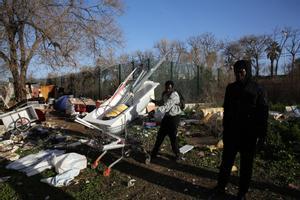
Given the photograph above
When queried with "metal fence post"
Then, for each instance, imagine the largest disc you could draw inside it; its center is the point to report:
(148, 63)
(172, 70)
(148, 66)
(120, 78)
(219, 74)
(198, 81)
(99, 83)
(132, 65)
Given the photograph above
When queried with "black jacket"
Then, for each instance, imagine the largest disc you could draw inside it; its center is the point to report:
(245, 112)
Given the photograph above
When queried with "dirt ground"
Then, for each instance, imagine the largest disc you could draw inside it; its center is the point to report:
(163, 178)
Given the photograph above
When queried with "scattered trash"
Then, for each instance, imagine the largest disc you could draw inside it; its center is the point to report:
(234, 168)
(194, 181)
(131, 183)
(19, 118)
(182, 123)
(207, 111)
(211, 148)
(220, 144)
(292, 111)
(6, 145)
(185, 149)
(277, 115)
(149, 124)
(4, 179)
(201, 154)
(113, 184)
(293, 186)
(2, 130)
(190, 121)
(7, 150)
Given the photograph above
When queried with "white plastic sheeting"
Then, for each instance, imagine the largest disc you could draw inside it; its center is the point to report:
(35, 163)
(67, 166)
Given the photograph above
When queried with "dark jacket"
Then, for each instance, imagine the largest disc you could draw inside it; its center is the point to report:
(245, 112)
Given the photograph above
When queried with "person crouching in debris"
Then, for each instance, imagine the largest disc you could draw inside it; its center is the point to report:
(244, 125)
(170, 105)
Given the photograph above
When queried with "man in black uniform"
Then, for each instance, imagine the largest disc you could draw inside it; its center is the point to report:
(245, 126)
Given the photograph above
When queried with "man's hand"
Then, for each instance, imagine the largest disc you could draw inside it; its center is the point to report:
(153, 101)
(151, 107)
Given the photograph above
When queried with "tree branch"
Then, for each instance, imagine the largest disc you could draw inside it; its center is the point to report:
(4, 57)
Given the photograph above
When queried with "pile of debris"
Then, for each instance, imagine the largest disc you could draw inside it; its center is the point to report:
(289, 113)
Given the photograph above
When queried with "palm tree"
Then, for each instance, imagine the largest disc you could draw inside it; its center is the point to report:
(273, 52)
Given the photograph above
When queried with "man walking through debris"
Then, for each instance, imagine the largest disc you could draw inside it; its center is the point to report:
(245, 127)
(170, 105)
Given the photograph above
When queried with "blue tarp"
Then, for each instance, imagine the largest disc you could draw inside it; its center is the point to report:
(61, 103)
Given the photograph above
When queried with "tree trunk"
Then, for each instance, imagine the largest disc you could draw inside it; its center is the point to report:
(257, 67)
(19, 83)
(276, 66)
(293, 62)
(272, 67)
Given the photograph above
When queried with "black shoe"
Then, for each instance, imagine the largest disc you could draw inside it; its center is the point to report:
(217, 193)
(179, 158)
(150, 158)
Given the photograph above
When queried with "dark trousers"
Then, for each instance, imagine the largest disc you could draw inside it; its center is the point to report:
(246, 164)
(168, 126)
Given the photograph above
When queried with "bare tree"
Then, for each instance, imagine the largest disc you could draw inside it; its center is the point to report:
(3, 71)
(54, 32)
(106, 59)
(124, 58)
(195, 50)
(210, 46)
(232, 52)
(180, 51)
(175, 49)
(143, 56)
(254, 47)
(204, 49)
(293, 45)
